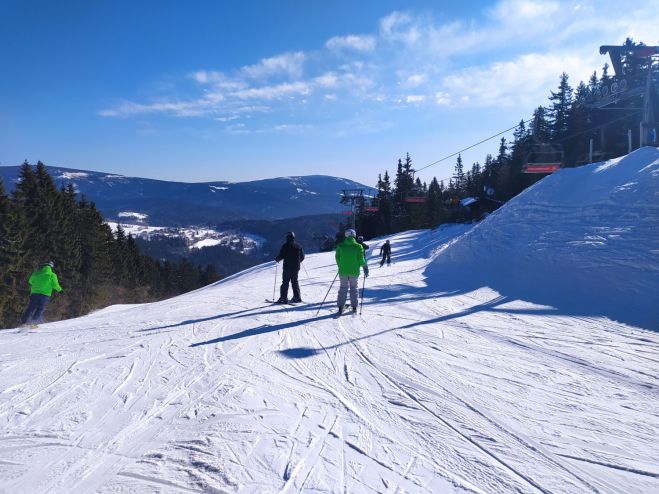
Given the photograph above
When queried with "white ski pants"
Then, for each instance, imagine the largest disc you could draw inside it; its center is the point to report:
(351, 282)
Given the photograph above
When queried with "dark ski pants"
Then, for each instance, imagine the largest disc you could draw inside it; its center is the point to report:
(35, 309)
(289, 277)
(386, 256)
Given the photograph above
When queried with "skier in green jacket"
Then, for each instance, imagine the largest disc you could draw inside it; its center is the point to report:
(349, 258)
(42, 282)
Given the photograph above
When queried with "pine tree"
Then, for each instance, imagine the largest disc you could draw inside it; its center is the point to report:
(561, 102)
(66, 250)
(459, 177)
(576, 144)
(606, 79)
(434, 209)
(188, 276)
(209, 275)
(120, 264)
(593, 83)
(632, 65)
(540, 126)
(12, 259)
(95, 262)
(385, 204)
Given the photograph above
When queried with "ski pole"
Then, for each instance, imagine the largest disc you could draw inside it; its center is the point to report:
(275, 285)
(305, 271)
(361, 306)
(321, 304)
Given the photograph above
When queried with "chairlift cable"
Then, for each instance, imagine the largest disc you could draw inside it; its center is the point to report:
(571, 136)
(472, 146)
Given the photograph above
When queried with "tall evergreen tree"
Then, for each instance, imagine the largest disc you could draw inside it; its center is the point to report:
(561, 102)
(12, 261)
(540, 126)
(459, 176)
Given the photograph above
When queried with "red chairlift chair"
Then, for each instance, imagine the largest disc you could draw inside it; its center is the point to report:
(544, 157)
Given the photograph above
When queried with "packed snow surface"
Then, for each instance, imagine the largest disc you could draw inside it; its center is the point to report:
(445, 383)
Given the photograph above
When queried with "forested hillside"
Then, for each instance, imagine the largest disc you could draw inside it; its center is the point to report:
(96, 267)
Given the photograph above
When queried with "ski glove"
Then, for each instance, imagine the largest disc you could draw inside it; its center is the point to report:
(365, 270)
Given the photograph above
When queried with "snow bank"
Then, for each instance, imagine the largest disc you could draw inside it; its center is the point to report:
(584, 241)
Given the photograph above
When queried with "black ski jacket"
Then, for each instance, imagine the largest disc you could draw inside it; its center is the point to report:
(365, 246)
(292, 255)
(385, 249)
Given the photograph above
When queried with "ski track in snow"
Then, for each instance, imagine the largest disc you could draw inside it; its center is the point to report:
(428, 391)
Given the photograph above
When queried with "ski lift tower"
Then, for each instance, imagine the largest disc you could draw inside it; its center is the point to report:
(625, 88)
(354, 197)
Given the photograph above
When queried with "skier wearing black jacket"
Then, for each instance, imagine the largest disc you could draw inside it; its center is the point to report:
(292, 254)
(385, 252)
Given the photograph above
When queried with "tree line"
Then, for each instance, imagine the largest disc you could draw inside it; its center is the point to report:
(567, 124)
(96, 266)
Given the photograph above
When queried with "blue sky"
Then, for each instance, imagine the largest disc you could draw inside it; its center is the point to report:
(211, 90)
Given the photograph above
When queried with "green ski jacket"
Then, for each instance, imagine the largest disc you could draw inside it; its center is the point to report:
(349, 257)
(44, 281)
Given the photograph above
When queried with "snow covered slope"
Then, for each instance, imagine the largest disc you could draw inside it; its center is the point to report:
(444, 384)
(584, 241)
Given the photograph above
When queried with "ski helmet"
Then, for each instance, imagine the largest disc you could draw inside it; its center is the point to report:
(290, 236)
(48, 263)
(351, 233)
(360, 238)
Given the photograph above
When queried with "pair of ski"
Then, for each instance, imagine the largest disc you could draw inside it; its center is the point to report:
(346, 307)
(346, 310)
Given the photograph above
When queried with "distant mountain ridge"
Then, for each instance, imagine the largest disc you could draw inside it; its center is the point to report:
(159, 202)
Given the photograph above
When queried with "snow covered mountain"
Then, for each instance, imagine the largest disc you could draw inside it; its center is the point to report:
(161, 203)
(487, 359)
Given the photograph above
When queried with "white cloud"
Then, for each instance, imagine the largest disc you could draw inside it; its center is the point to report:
(227, 118)
(442, 98)
(515, 11)
(178, 108)
(415, 80)
(415, 98)
(399, 26)
(292, 128)
(290, 64)
(327, 80)
(521, 82)
(352, 42)
(274, 92)
(217, 80)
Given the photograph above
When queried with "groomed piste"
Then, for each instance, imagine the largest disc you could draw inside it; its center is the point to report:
(519, 354)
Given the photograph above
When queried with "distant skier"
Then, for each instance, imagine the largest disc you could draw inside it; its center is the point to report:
(292, 254)
(42, 282)
(349, 258)
(360, 241)
(385, 252)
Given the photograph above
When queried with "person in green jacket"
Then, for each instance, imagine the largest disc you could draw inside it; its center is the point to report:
(42, 282)
(349, 258)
